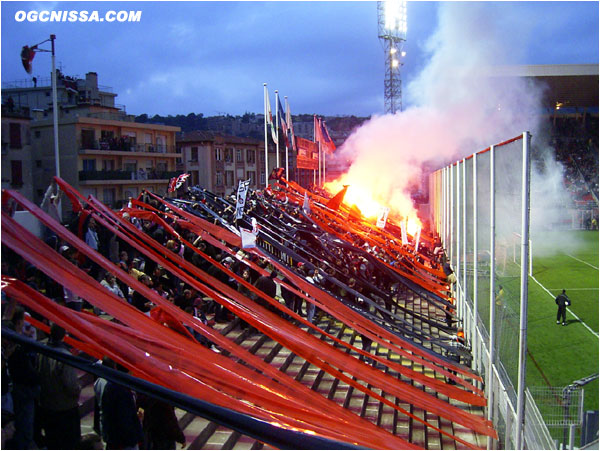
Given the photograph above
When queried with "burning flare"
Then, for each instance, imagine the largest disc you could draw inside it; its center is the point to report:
(364, 197)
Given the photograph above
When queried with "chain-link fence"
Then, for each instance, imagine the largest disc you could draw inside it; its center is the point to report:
(480, 206)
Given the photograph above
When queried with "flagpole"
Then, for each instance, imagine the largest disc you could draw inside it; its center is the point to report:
(55, 119)
(319, 148)
(266, 143)
(277, 124)
(287, 159)
(325, 157)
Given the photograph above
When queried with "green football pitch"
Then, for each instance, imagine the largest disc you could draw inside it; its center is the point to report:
(557, 355)
(560, 354)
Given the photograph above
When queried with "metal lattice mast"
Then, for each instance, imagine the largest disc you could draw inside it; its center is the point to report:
(391, 15)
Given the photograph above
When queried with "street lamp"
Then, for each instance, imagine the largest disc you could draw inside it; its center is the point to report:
(27, 54)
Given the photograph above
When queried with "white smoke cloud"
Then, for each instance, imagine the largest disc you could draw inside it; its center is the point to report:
(456, 109)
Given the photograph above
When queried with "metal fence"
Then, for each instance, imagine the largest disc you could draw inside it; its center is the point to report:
(480, 206)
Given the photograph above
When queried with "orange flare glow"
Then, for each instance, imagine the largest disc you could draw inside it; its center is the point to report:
(369, 203)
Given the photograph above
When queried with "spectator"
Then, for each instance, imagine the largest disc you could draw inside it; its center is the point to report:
(120, 423)
(59, 398)
(160, 425)
(26, 385)
(563, 301)
(99, 386)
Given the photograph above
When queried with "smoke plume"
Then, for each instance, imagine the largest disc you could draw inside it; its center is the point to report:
(458, 106)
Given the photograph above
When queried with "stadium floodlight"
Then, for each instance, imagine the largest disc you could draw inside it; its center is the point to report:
(395, 18)
(392, 32)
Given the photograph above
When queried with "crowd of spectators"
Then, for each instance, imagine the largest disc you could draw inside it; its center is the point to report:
(356, 268)
(575, 140)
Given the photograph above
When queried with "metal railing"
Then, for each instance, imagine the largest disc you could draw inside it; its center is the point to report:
(127, 175)
(119, 145)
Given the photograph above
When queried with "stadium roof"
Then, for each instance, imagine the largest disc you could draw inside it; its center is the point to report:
(572, 85)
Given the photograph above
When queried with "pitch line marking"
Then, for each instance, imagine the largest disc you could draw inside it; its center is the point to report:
(584, 262)
(568, 309)
(575, 289)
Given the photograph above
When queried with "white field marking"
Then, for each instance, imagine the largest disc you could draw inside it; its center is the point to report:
(585, 263)
(568, 309)
(574, 289)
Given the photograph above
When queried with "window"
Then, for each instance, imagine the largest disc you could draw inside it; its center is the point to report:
(251, 175)
(38, 134)
(229, 155)
(15, 135)
(108, 196)
(194, 154)
(228, 178)
(161, 166)
(108, 165)
(130, 166)
(239, 156)
(16, 173)
(262, 178)
(250, 156)
(219, 181)
(89, 165)
(218, 155)
(38, 163)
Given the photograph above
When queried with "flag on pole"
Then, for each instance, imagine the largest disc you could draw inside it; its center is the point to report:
(306, 205)
(269, 115)
(326, 141)
(176, 182)
(382, 217)
(403, 232)
(248, 238)
(242, 191)
(27, 54)
(335, 202)
(290, 125)
(284, 126)
(417, 240)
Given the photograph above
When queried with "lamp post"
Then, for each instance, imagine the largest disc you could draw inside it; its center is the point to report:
(27, 58)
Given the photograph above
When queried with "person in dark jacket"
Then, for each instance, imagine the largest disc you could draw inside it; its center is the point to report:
(267, 285)
(26, 386)
(562, 300)
(160, 424)
(59, 398)
(120, 423)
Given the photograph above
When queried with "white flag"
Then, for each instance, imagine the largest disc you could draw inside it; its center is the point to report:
(403, 230)
(241, 198)
(248, 238)
(269, 116)
(382, 217)
(417, 240)
(306, 206)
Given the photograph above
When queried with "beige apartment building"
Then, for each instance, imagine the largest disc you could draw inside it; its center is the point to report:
(16, 150)
(217, 162)
(102, 151)
(109, 159)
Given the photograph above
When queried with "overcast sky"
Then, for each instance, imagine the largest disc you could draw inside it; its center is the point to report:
(213, 57)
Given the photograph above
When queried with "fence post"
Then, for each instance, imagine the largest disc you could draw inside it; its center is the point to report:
(475, 268)
(492, 362)
(524, 287)
(465, 289)
(459, 289)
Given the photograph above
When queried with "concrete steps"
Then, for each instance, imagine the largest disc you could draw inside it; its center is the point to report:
(203, 434)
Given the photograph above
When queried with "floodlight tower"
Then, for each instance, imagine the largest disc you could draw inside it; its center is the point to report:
(391, 15)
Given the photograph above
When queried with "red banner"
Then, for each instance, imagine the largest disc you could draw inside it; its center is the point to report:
(308, 154)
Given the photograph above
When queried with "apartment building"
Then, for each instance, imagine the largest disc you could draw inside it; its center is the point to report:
(217, 161)
(102, 151)
(16, 150)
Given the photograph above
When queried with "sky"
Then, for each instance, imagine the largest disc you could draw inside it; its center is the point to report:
(213, 57)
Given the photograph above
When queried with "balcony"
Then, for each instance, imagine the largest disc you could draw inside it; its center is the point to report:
(125, 177)
(122, 145)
